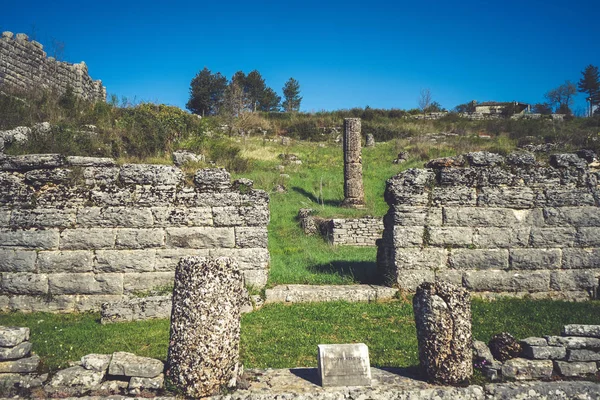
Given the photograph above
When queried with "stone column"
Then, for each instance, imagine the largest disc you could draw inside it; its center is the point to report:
(205, 325)
(354, 194)
(443, 318)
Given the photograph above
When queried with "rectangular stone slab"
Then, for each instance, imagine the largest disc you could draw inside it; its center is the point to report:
(344, 365)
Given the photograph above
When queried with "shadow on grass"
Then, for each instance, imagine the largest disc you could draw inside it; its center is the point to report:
(313, 198)
(360, 271)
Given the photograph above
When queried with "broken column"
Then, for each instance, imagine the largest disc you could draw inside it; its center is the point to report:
(354, 194)
(443, 319)
(205, 325)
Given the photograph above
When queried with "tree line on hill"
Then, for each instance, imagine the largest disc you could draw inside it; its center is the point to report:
(212, 94)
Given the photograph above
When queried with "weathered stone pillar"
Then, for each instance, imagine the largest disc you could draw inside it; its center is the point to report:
(354, 194)
(205, 325)
(370, 142)
(443, 318)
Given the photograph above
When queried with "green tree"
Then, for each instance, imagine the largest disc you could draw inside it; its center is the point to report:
(542, 108)
(562, 97)
(466, 107)
(291, 93)
(434, 107)
(269, 101)
(206, 93)
(590, 84)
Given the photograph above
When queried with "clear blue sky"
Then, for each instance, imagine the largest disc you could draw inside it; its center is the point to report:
(344, 53)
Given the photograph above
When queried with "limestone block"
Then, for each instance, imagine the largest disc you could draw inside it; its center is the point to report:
(86, 283)
(112, 196)
(175, 216)
(60, 196)
(24, 365)
(200, 237)
(574, 342)
(450, 275)
(154, 195)
(454, 196)
(567, 160)
(42, 218)
(575, 369)
(581, 258)
(87, 239)
(146, 383)
(409, 280)
(139, 238)
(413, 216)
(457, 176)
(257, 215)
(79, 161)
(124, 260)
(566, 197)
(467, 259)
(77, 377)
(494, 176)
(581, 330)
(574, 280)
(86, 303)
(28, 162)
(137, 309)
(534, 341)
(24, 283)
(576, 216)
(5, 216)
(588, 236)
(143, 282)
(167, 259)
(443, 320)
(256, 278)
(509, 197)
(128, 217)
(11, 336)
(552, 237)
(491, 217)
(426, 258)
(65, 261)
(507, 281)
(544, 352)
(30, 239)
(450, 237)
(585, 355)
(17, 260)
(484, 159)
(41, 177)
(227, 216)
(257, 258)
(522, 369)
(490, 238)
(36, 303)
(535, 258)
(251, 237)
(408, 236)
(205, 326)
(148, 174)
(96, 362)
(127, 364)
(210, 180)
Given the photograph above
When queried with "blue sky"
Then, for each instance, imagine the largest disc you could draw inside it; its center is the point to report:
(344, 54)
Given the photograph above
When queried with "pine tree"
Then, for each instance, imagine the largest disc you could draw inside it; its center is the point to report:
(291, 93)
(590, 84)
(206, 92)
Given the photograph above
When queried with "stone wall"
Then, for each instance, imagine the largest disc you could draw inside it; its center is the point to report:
(24, 66)
(76, 232)
(496, 225)
(353, 232)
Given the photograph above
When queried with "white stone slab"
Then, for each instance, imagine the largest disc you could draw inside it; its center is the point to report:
(344, 364)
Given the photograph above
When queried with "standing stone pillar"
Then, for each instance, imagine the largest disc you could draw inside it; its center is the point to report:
(354, 194)
(205, 325)
(443, 318)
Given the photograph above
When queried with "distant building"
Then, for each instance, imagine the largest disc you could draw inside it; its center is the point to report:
(497, 108)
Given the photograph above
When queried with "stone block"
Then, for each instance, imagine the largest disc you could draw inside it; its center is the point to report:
(17, 260)
(552, 237)
(544, 352)
(200, 237)
(534, 341)
(507, 281)
(227, 216)
(408, 236)
(581, 330)
(588, 236)
(581, 258)
(467, 259)
(136, 283)
(37, 303)
(457, 176)
(576, 216)
(344, 365)
(79, 161)
(124, 260)
(158, 196)
(491, 217)
(22, 366)
(535, 259)
(137, 383)
(257, 258)
(96, 362)
(87, 283)
(575, 369)
(574, 342)
(167, 259)
(30, 239)
(42, 218)
(574, 280)
(11, 336)
(577, 355)
(454, 196)
(65, 261)
(41, 177)
(28, 162)
(426, 258)
(87, 239)
(95, 176)
(137, 309)
(147, 174)
(24, 283)
(127, 217)
(256, 215)
(507, 197)
(21, 350)
(414, 216)
(77, 377)
(112, 196)
(251, 237)
(568, 197)
(409, 280)
(210, 180)
(176, 216)
(139, 238)
(450, 275)
(522, 369)
(255, 278)
(127, 364)
(449, 237)
(490, 238)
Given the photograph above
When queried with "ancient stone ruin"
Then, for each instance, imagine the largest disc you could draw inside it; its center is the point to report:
(205, 325)
(443, 320)
(24, 66)
(354, 194)
(497, 225)
(76, 232)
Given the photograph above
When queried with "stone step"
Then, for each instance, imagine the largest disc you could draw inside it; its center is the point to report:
(312, 293)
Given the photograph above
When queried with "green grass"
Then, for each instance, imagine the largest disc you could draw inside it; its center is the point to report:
(284, 336)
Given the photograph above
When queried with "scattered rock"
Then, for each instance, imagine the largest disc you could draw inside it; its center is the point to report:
(582, 330)
(567, 161)
(96, 362)
(77, 377)
(11, 336)
(402, 157)
(23, 365)
(588, 155)
(12, 353)
(484, 159)
(504, 346)
(181, 157)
